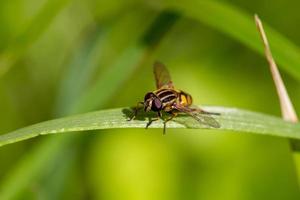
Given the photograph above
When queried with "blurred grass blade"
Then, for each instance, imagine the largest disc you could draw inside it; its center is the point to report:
(114, 77)
(130, 59)
(33, 31)
(230, 119)
(239, 25)
(21, 176)
(39, 23)
(84, 63)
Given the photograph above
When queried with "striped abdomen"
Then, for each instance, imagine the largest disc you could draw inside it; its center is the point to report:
(167, 96)
(170, 96)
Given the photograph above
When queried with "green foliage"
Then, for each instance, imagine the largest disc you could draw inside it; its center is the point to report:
(113, 78)
(240, 26)
(230, 120)
(67, 57)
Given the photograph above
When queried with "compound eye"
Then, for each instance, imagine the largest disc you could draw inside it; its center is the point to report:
(156, 105)
(148, 96)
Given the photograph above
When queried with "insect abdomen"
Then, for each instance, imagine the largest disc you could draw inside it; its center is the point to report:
(185, 99)
(167, 96)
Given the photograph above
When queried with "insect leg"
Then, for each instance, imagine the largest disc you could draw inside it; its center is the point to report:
(150, 122)
(173, 114)
(159, 116)
(135, 110)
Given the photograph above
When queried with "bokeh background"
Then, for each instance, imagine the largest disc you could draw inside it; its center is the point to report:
(60, 57)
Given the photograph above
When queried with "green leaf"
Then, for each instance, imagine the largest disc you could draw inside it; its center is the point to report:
(240, 26)
(230, 119)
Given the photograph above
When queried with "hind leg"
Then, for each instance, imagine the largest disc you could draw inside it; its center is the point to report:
(173, 114)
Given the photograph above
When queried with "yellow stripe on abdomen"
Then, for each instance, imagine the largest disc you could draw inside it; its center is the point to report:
(185, 99)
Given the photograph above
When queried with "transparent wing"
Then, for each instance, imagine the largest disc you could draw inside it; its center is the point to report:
(162, 76)
(203, 118)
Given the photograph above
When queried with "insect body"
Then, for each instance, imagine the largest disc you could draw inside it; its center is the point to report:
(168, 99)
(165, 99)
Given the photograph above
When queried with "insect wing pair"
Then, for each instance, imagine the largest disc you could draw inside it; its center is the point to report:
(167, 98)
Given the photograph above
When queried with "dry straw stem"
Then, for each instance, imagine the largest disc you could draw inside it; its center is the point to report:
(287, 109)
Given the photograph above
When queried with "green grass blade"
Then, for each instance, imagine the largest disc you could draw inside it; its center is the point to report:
(112, 78)
(241, 26)
(124, 67)
(32, 32)
(230, 119)
(21, 176)
(84, 64)
(130, 59)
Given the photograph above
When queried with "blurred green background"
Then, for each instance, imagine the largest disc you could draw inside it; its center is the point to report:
(60, 57)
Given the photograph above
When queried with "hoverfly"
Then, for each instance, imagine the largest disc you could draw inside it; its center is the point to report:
(172, 101)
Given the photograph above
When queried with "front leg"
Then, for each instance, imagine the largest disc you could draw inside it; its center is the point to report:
(135, 110)
(159, 116)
